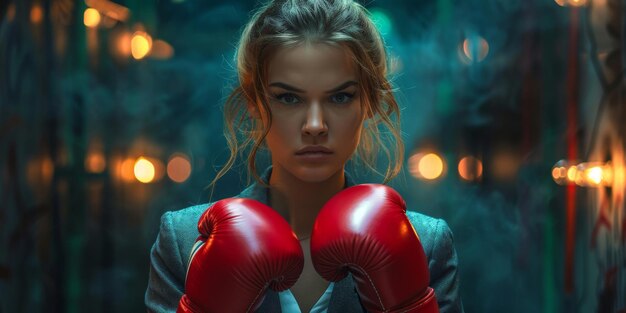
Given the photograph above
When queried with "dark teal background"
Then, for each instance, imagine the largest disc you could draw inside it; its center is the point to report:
(74, 241)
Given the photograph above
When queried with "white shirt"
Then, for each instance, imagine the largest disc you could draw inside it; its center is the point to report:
(288, 303)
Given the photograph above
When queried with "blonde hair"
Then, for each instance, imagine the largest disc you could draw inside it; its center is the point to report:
(288, 23)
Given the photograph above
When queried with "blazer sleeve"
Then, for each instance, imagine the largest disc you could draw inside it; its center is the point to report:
(443, 274)
(167, 275)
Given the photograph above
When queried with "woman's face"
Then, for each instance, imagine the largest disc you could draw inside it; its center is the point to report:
(314, 101)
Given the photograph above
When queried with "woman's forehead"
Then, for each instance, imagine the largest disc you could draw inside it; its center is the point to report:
(317, 64)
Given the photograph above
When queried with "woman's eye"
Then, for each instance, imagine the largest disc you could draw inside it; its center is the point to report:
(343, 97)
(287, 98)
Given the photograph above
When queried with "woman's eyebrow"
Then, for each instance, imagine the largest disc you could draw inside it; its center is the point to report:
(286, 87)
(342, 86)
(294, 89)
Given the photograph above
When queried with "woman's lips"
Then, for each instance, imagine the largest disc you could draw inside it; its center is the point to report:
(314, 148)
(314, 156)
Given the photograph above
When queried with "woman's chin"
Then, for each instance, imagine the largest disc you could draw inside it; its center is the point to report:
(315, 174)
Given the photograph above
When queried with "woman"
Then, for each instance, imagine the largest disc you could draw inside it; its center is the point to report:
(313, 91)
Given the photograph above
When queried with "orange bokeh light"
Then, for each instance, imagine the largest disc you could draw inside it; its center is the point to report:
(10, 12)
(161, 50)
(144, 170)
(427, 166)
(470, 168)
(140, 45)
(577, 3)
(179, 168)
(95, 162)
(127, 170)
(91, 17)
(36, 14)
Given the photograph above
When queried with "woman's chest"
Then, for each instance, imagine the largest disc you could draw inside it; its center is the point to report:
(309, 289)
(310, 286)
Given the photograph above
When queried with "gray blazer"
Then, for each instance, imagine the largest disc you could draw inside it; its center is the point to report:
(169, 258)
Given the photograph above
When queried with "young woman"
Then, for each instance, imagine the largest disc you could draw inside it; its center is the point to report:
(313, 91)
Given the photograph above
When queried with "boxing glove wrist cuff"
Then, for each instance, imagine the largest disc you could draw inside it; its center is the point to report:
(427, 303)
(185, 305)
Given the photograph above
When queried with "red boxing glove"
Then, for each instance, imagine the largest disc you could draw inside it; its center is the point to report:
(244, 247)
(364, 230)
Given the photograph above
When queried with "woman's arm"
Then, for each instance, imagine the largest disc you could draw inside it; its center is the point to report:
(443, 273)
(166, 281)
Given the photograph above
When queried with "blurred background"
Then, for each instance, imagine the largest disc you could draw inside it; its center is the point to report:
(513, 114)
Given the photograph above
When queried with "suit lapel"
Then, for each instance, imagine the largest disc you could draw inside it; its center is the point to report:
(271, 303)
(344, 298)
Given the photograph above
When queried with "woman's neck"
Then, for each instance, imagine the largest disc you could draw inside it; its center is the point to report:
(299, 201)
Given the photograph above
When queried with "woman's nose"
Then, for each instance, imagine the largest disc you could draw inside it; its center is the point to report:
(315, 125)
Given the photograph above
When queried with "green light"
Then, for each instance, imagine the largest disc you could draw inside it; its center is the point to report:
(381, 20)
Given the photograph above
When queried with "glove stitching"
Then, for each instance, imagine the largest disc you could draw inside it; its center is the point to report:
(257, 296)
(360, 269)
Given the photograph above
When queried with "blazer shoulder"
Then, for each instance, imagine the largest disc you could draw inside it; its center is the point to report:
(188, 215)
(169, 258)
(430, 230)
(184, 224)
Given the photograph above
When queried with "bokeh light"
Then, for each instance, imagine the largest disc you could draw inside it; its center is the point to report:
(571, 3)
(91, 17)
(473, 49)
(426, 166)
(559, 173)
(144, 170)
(140, 45)
(161, 50)
(121, 42)
(577, 3)
(127, 171)
(36, 14)
(179, 168)
(470, 168)
(39, 172)
(431, 166)
(109, 9)
(572, 173)
(505, 164)
(95, 162)
(10, 12)
(586, 174)
(561, 2)
(594, 174)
